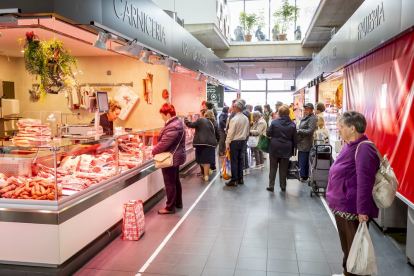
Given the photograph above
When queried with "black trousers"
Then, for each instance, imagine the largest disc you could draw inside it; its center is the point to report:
(172, 187)
(237, 149)
(283, 164)
(246, 155)
(222, 143)
(346, 230)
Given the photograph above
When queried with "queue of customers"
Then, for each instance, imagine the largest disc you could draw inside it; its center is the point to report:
(351, 177)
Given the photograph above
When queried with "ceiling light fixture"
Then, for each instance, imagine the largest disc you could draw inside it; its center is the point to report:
(200, 76)
(102, 39)
(131, 48)
(145, 56)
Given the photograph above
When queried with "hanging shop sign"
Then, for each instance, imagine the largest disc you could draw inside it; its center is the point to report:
(215, 94)
(374, 23)
(140, 19)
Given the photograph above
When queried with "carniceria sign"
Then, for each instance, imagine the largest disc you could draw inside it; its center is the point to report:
(139, 19)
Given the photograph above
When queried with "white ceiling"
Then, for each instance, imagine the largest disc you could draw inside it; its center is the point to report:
(9, 44)
(330, 14)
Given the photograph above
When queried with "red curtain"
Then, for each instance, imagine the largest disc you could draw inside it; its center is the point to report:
(390, 116)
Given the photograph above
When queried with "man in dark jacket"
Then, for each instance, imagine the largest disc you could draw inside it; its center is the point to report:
(283, 143)
(306, 129)
(222, 130)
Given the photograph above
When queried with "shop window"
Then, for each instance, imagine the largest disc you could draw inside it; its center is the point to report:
(284, 97)
(253, 85)
(261, 9)
(235, 8)
(254, 98)
(281, 85)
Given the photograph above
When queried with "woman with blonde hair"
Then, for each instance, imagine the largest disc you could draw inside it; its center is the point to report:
(106, 120)
(205, 141)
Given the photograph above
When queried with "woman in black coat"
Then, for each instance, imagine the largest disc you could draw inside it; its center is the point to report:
(283, 143)
(205, 141)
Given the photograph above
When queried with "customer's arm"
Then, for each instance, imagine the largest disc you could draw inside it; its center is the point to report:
(216, 131)
(311, 127)
(168, 138)
(269, 132)
(222, 122)
(367, 164)
(191, 124)
(231, 132)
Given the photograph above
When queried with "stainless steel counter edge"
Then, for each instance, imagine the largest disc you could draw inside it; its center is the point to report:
(74, 206)
(406, 201)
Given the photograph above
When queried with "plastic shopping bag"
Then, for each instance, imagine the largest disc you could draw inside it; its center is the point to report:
(134, 221)
(226, 167)
(252, 141)
(361, 258)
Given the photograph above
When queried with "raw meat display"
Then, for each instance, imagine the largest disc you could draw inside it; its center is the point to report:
(32, 133)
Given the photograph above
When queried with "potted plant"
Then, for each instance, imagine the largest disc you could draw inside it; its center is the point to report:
(248, 22)
(285, 16)
(49, 61)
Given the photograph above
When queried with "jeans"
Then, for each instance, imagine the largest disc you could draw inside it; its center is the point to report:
(237, 149)
(172, 187)
(304, 164)
(283, 164)
(258, 155)
(222, 143)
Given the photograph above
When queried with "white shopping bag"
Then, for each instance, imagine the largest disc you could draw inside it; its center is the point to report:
(361, 259)
(253, 140)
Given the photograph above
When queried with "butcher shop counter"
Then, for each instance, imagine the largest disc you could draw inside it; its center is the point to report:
(59, 202)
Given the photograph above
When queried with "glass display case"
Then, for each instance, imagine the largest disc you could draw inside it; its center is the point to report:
(189, 132)
(58, 169)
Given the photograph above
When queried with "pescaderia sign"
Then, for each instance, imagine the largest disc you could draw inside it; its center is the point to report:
(139, 19)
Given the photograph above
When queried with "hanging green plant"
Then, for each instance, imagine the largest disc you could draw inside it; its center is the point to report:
(49, 61)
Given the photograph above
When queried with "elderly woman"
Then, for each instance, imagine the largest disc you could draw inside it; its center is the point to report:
(268, 114)
(351, 181)
(283, 143)
(172, 139)
(321, 132)
(258, 128)
(205, 141)
(306, 130)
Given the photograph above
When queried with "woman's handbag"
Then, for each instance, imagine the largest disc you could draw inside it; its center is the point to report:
(361, 258)
(166, 159)
(263, 143)
(253, 141)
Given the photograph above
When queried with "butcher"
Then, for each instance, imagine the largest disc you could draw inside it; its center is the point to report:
(107, 119)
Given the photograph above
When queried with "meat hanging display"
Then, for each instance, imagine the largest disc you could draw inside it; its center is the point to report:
(32, 133)
(148, 90)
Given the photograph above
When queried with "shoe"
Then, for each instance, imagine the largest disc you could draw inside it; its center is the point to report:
(231, 183)
(215, 170)
(179, 206)
(283, 189)
(270, 189)
(244, 172)
(247, 171)
(200, 174)
(338, 274)
(240, 181)
(165, 212)
(210, 172)
(262, 165)
(257, 167)
(206, 178)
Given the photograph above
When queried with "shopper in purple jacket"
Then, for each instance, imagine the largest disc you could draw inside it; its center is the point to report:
(351, 181)
(172, 137)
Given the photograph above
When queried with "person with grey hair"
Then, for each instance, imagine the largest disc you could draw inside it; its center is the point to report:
(235, 143)
(307, 127)
(258, 128)
(351, 181)
(276, 113)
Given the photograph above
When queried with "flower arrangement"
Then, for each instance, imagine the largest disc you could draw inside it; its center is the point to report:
(49, 61)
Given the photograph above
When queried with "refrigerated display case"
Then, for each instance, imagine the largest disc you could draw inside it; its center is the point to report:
(67, 195)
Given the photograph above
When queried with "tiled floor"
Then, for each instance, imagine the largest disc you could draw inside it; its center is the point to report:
(241, 231)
